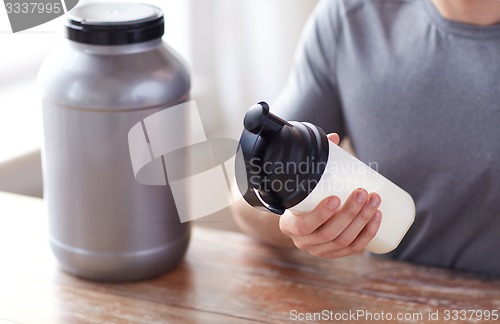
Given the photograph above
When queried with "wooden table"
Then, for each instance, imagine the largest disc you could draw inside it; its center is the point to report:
(225, 278)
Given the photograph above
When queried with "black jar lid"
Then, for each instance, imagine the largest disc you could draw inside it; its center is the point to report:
(114, 23)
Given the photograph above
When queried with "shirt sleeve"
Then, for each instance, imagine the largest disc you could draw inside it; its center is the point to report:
(311, 92)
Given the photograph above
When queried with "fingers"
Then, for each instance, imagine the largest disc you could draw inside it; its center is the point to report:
(301, 225)
(358, 245)
(368, 233)
(341, 248)
(331, 231)
(347, 213)
(334, 137)
(352, 231)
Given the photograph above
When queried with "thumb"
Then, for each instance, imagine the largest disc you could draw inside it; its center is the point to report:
(334, 137)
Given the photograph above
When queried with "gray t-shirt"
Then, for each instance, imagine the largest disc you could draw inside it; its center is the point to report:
(419, 95)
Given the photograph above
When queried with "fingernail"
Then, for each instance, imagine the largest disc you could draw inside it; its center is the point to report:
(374, 201)
(333, 203)
(361, 195)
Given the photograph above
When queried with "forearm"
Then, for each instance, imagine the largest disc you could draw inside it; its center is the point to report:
(263, 226)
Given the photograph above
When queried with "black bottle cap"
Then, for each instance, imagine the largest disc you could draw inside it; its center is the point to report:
(278, 163)
(114, 23)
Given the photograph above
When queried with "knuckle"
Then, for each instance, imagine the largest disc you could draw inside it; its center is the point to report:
(341, 242)
(320, 254)
(325, 214)
(325, 235)
(357, 248)
(290, 225)
(351, 251)
(371, 232)
(315, 253)
(297, 229)
(366, 216)
(283, 225)
(300, 245)
(351, 211)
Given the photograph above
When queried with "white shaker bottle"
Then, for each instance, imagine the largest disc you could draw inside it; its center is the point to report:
(291, 165)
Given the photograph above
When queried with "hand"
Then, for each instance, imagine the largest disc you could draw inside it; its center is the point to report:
(331, 231)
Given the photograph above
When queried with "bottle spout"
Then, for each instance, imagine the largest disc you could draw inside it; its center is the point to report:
(258, 120)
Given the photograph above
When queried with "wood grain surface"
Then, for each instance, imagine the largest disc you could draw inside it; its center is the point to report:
(226, 278)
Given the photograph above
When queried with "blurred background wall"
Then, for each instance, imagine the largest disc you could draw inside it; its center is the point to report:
(240, 52)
